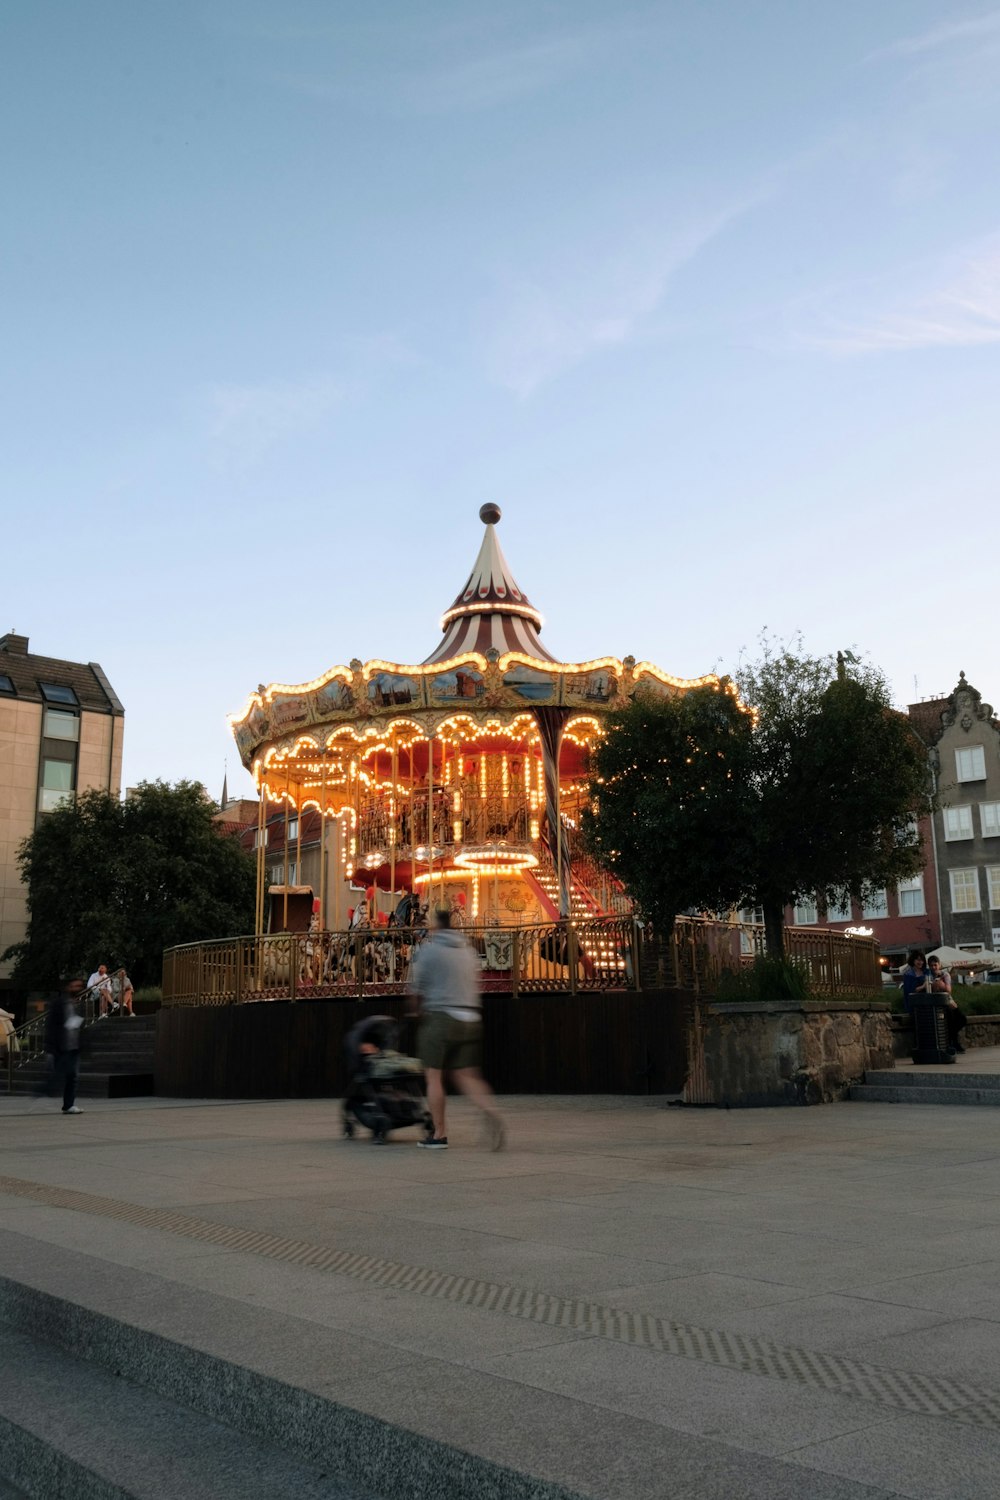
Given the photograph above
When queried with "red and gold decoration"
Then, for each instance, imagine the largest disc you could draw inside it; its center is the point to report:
(462, 777)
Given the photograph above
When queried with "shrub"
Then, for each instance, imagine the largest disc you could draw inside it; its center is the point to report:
(974, 999)
(765, 979)
(979, 999)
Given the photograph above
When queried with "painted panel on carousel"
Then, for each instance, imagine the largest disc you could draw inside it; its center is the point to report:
(530, 684)
(249, 734)
(388, 690)
(287, 713)
(598, 686)
(332, 698)
(463, 685)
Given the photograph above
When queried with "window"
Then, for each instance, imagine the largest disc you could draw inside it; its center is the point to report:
(52, 692)
(260, 839)
(293, 829)
(970, 764)
(876, 905)
(6, 685)
(839, 911)
(957, 823)
(993, 877)
(59, 724)
(911, 897)
(964, 890)
(989, 819)
(753, 917)
(806, 914)
(57, 784)
(278, 874)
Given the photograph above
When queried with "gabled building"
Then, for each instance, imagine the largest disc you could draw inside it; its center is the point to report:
(963, 738)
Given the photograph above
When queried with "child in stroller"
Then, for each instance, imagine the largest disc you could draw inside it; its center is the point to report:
(386, 1089)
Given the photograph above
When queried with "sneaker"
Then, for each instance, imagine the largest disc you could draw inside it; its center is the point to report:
(496, 1135)
(435, 1143)
(74, 1109)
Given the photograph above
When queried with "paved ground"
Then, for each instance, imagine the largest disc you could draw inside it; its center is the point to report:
(973, 1060)
(633, 1299)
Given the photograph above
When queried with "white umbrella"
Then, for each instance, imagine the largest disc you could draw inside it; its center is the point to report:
(958, 958)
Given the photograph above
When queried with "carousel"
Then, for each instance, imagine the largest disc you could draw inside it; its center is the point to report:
(457, 781)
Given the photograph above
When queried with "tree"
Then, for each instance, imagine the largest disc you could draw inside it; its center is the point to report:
(672, 778)
(117, 882)
(815, 791)
(839, 778)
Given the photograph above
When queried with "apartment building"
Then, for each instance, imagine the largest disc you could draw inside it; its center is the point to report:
(61, 731)
(963, 739)
(956, 897)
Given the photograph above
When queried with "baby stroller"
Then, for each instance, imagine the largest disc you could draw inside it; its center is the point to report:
(386, 1088)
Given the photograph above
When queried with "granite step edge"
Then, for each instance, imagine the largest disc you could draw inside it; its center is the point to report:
(866, 1093)
(68, 1429)
(943, 1077)
(387, 1458)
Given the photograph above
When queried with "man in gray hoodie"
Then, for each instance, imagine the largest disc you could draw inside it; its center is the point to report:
(444, 989)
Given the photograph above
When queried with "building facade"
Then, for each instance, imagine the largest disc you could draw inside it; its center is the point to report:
(61, 732)
(901, 917)
(963, 737)
(955, 900)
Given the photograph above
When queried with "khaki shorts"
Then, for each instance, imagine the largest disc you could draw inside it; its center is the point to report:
(443, 1042)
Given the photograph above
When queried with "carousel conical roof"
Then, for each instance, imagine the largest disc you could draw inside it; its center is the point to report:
(491, 611)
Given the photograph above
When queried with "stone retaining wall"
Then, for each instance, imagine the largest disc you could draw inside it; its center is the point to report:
(785, 1052)
(981, 1031)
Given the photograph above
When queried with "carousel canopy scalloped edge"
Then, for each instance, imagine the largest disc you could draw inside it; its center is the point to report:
(482, 686)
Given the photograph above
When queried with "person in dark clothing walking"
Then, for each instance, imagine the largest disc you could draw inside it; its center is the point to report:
(63, 1023)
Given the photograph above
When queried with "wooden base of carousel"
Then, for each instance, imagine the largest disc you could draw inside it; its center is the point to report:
(606, 1042)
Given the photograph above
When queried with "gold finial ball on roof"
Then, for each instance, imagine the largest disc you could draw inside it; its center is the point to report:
(489, 514)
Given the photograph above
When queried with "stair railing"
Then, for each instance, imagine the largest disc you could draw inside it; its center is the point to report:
(26, 1043)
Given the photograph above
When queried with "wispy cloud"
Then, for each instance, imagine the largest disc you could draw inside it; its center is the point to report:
(495, 78)
(946, 34)
(541, 327)
(246, 420)
(461, 73)
(960, 311)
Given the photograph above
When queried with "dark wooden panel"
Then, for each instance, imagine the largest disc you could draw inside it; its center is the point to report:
(615, 1042)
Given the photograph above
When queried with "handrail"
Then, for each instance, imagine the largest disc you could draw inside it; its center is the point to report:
(566, 956)
(32, 1032)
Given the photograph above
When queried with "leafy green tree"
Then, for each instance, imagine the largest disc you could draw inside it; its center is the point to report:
(117, 882)
(816, 791)
(839, 780)
(670, 808)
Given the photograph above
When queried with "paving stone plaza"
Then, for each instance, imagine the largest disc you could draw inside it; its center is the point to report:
(634, 1300)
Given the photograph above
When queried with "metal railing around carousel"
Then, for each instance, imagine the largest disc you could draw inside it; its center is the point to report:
(372, 961)
(606, 953)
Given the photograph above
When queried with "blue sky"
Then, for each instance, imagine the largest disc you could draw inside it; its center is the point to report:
(705, 295)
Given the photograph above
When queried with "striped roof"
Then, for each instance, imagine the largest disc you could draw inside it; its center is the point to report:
(491, 611)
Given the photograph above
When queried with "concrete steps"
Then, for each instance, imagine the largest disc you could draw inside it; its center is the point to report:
(920, 1086)
(94, 1405)
(69, 1428)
